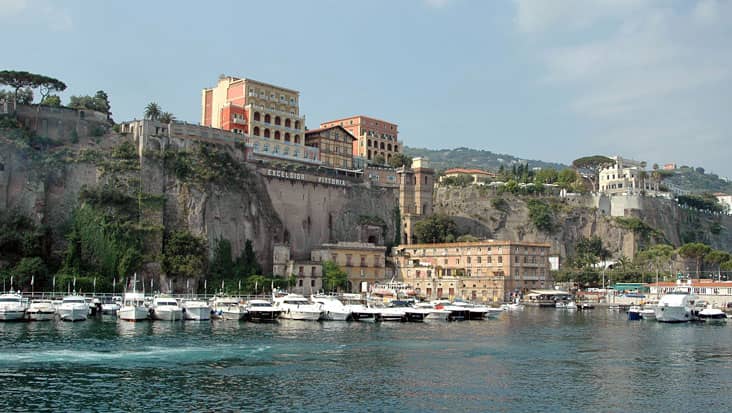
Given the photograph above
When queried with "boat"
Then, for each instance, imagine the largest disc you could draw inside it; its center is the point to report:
(571, 305)
(584, 306)
(675, 307)
(73, 308)
(634, 313)
(12, 307)
(512, 307)
(333, 309)
(457, 313)
(389, 313)
(196, 310)
(364, 313)
(133, 307)
(560, 304)
(297, 307)
(113, 307)
(41, 310)
(711, 313)
(411, 313)
(476, 312)
(356, 305)
(648, 311)
(166, 308)
(227, 308)
(261, 311)
(435, 314)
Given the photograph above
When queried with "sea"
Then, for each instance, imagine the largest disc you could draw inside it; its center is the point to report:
(535, 360)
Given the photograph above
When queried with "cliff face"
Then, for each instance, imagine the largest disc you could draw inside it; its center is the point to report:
(485, 213)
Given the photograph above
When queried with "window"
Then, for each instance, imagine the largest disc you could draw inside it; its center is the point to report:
(299, 284)
(500, 259)
(363, 262)
(312, 283)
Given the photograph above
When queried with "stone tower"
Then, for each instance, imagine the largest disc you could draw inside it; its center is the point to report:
(415, 196)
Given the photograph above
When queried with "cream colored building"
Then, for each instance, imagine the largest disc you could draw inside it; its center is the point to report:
(488, 270)
(365, 263)
(626, 176)
(308, 274)
(416, 185)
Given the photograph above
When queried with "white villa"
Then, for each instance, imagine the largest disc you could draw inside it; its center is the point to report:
(626, 177)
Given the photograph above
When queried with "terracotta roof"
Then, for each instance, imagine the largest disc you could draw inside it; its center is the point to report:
(314, 131)
(360, 116)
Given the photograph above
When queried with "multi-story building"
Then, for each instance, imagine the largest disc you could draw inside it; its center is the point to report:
(365, 263)
(374, 136)
(490, 270)
(308, 274)
(334, 144)
(626, 176)
(415, 195)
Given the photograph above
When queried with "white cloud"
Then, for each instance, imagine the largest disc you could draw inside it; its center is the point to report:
(645, 74)
(38, 13)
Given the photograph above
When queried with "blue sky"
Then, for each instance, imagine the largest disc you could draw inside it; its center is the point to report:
(551, 80)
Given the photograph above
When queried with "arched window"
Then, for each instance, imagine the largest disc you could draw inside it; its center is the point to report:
(396, 148)
(368, 143)
(287, 136)
(382, 146)
(278, 121)
(277, 135)
(267, 118)
(297, 124)
(297, 138)
(369, 155)
(256, 131)
(257, 116)
(388, 157)
(388, 146)
(287, 123)
(266, 133)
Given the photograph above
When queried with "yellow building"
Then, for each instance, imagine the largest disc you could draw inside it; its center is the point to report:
(365, 263)
(334, 144)
(488, 270)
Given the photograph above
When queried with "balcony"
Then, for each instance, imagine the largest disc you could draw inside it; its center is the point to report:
(276, 111)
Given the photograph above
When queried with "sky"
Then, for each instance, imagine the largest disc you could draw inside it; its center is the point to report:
(539, 79)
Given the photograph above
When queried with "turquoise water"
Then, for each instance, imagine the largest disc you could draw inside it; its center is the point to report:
(535, 360)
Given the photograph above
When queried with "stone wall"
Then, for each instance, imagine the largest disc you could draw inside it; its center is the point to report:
(61, 123)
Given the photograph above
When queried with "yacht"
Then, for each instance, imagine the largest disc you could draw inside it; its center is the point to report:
(41, 310)
(166, 308)
(675, 307)
(648, 311)
(12, 307)
(133, 307)
(262, 311)
(113, 307)
(391, 314)
(364, 313)
(479, 312)
(411, 313)
(355, 304)
(434, 313)
(711, 313)
(196, 310)
(297, 307)
(457, 313)
(73, 308)
(332, 308)
(227, 308)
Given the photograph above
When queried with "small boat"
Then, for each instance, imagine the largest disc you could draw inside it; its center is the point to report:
(711, 313)
(113, 307)
(331, 307)
(571, 305)
(364, 313)
(390, 314)
(634, 313)
(12, 307)
(584, 306)
(411, 313)
(133, 307)
(41, 310)
(434, 313)
(355, 304)
(73, 308)
(648, 311)
(166, 308)
(512, 307)
(675, 307)
(227, 308)
(261, 311)
(196, 310)
(476, 312)
(297, 307)
(560, 304)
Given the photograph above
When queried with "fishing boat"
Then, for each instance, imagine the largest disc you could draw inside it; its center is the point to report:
(133, 307)
(261, 311)
(12, 307)
(297, 307)
(331, 307)
(73, 308)
(227, 308)
(196, 310)
(166, 308)
(41, 310)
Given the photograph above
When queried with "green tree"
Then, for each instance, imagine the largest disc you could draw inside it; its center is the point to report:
(467, 238)
(436, 228)
(592, 164)
(184, 255)
(334, 277)
(378, 160)
(152, 111)
(717, 257)
(51, 100)
(656, 257)
(25, 80)
(29, 267)
(221, 266)
(166, 117)
(696, 251)
(541, 215)
(24, 96)
(398, 160)
(101, 102)
(546, 176)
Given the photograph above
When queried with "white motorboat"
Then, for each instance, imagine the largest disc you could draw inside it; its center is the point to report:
(355, 304)
(262, 311)
(113, 307)
(297, 307)
(560, 304)
(675, 307)
(12, 307)
(411, 312)
(634, 313)
(331, 307)
(512, 307)
(457, 313)
(648, 312)
(391, 314)
(478, 312)
(166, 308)
(228, 308)
(196, 310)
(41, 310)
(710, 313)
(434, 313)
(73, 308)
(571, 305)
(133, 307)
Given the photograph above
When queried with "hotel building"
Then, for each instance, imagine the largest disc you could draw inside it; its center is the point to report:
(626, 176)
(488, 270)
(374, 136)
(365, 263)
(334, 144)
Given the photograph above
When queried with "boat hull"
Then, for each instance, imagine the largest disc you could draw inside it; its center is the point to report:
(264, 316)
(670, 314)
(110, 309)
(230, 315)
(303, 315)
(438, 315)
(336, 315)
(73, 314)
(366, 316)
(12, 315)
(197, 314)
(168, 314)
(41, 315)
(133, 313)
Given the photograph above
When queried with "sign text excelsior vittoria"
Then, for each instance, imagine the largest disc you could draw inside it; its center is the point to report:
(297, 176)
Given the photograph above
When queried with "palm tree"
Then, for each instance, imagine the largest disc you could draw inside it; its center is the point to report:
(166, 117)
(152, 111)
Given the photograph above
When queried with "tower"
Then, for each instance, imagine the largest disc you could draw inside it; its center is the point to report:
(415, 196)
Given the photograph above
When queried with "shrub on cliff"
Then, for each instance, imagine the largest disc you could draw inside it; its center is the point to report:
(541, 215)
